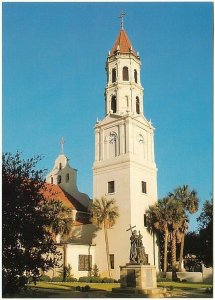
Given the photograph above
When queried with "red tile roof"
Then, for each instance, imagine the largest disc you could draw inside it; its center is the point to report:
(123, 44)
(53, 191)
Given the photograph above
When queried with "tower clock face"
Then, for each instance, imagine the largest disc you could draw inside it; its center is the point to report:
(140, 139)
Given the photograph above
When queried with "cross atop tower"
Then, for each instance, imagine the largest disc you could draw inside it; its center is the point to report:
(122, 19)
(62, 142)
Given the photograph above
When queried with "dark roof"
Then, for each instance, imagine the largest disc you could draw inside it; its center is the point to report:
(53, 191)
(122, 44)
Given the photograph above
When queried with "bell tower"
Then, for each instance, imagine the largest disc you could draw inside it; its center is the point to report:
(124, 166)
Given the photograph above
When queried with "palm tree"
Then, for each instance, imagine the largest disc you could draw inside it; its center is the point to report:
(176, 221)
(60, 223)
(166, 216)
(158, 218)
(182, 231)
(104, 213)
(189, 201)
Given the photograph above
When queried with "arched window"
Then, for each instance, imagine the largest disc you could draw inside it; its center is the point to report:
(113, 104)
(135, 76)
(125, 74)
(51, 180)
(59, 179)
(67, 177)
(137, 105)
(114, 75)
(60, 166)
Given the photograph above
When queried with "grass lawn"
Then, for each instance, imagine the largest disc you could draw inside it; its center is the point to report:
(109, 286)
(183, 285)
(71, 285)
(68, 290)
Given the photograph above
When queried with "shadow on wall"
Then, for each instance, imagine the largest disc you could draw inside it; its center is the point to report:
(83, 234)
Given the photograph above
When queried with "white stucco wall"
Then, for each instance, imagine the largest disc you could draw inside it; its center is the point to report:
(63, 169)
(128, 160)
(73, 252)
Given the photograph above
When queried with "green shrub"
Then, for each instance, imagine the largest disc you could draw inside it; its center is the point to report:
(71, 279)
(95, 271)
(57, 279)
(162, 279)
(84, 279)
(108, 280)
(96, 279)
(45, 278)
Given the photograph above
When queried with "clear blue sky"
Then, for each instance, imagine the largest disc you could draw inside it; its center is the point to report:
(54, 78)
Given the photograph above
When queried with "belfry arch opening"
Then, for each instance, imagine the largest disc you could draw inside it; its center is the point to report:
(137, 105)
(113, 104)
(125, 75)
(135, 76)
(114, 75)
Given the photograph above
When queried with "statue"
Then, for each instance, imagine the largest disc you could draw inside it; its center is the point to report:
(133, 249)
(137, 250)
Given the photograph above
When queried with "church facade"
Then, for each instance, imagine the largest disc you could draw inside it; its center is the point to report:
(124, 168)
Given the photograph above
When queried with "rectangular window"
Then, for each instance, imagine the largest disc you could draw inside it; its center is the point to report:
(111, 187)
(112, 261)
(144, 187)
(145, 221)
(85, 263)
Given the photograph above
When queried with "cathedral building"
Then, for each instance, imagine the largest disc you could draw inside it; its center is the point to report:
(124, 168)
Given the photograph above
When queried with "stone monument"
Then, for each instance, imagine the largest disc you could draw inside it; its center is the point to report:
(138, 276)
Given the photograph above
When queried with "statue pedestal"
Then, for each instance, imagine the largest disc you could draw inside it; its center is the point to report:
(138, 276)
(138, 279)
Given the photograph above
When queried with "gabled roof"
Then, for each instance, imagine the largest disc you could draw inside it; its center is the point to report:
(53, 191)
(122, 44)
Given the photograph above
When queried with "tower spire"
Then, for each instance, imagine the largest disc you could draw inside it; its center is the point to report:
(122, 20)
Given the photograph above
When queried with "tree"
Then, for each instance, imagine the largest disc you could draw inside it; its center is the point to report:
(177, 218)
(60, 223)
(189, 200)
(206, 232)
(104, 213)
(27, 247)
(192, 249)
(59, 216)
(158, 219)
(95, 271)
(166, 216)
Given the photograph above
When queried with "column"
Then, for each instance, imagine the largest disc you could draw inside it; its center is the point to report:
(97, 144)
(121, 138)
(101, 144)
(128, 136)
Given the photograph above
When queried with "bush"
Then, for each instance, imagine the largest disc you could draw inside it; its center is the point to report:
(84, 279)
(45, 278)
(95, 271)
(162, 279)
(96, 279)
(57, 279)
(108, 280)
(71, 279)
